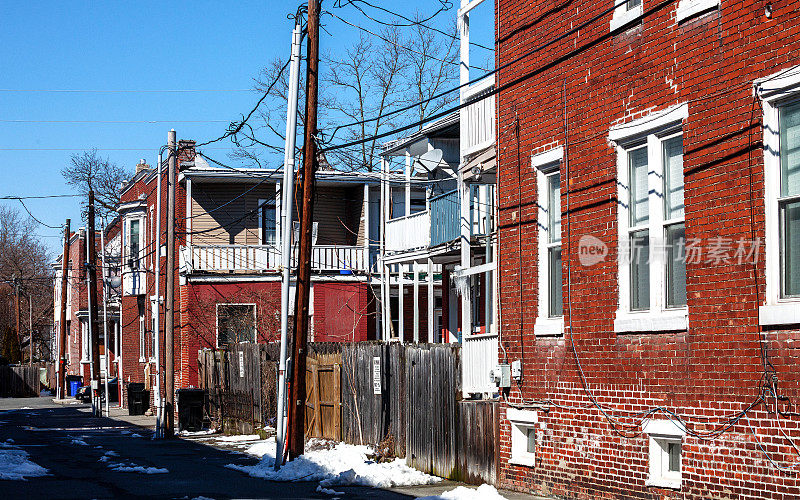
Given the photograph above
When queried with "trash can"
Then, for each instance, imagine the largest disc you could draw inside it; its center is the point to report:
(138, 399)
(73, 384)
(190, 409)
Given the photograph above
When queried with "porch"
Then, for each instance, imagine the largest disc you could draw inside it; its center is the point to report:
(343, 259)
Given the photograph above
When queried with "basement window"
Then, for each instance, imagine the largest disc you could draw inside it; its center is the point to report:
(625, 13)
(236, 324)
(523, 436)
(665, 450)
(691, 8)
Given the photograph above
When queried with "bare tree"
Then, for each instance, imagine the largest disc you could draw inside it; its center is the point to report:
(89, 171)
(24, 258)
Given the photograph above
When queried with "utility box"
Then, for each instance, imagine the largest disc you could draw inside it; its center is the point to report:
(516, 370)
(501, 375)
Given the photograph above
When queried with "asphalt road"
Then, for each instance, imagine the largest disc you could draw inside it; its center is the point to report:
(53, 434)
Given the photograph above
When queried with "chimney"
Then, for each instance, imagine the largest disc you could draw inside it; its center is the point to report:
(142, 165)
(186, 154)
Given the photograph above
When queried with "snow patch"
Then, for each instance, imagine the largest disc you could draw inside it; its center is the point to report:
(342, 465)
(137, 468)
(197, 433)
(14, 464)
(79, 442)
(236, 439)
(482, 492)
(135, 435)
(326, 491)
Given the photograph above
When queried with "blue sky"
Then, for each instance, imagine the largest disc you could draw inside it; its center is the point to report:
(137, 46)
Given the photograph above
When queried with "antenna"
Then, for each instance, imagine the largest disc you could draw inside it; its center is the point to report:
(430, 160)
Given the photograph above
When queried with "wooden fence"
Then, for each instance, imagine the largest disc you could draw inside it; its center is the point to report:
(362, 393)
(19, 381)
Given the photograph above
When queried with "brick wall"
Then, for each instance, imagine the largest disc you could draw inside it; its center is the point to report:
(710, 371)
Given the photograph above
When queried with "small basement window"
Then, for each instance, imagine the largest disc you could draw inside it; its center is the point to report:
(523, 436)
(236, 323)
(665, 449)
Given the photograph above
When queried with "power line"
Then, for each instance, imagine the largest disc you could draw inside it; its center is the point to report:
(40, 197)
(123, 91)
(114, 121)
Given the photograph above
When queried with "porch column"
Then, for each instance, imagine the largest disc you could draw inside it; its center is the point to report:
(384, 330)
(431, 302)
(365, 211)
(400, 308)
(278, 211)
(445, 327)
(408, 184)
(415, 268)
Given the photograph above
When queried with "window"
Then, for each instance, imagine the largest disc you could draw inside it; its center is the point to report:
(625, 12)
(665, 453)
(550, 319)
(268, 223)
(523, 436)
(652, 267)
(781, 127)
(236, 323)
(85, 341)
(692, 8)
(134, 245)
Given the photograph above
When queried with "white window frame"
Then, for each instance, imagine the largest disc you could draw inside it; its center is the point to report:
(691, 8)
(651, 130)
(127, 247)
(85, 351)
(774, 91)
(521, 422)
(623, 15)
(255, 318)
(659, 434)
(546, 163)
(142, 337)
(261, 203)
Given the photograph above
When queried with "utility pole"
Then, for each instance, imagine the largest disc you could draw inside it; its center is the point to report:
(106, 344)
(157, 305)
(62, 322)
(16, 309)
(286, 235)
(30, 328)
(169, 302)
(297, 401)
(93, 329)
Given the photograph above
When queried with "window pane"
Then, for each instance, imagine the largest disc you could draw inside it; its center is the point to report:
(790, 248)
(236, 323)
(554, 207)
(674, 452)
(790, 150)
(556, 306)
(632, 4)
(134, 244)
(268, 223)
(639, 212)
(673, 178)
(676, 265)
(640, 271)
(530, 433)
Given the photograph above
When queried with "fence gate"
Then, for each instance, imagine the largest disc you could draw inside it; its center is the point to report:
(323, 396)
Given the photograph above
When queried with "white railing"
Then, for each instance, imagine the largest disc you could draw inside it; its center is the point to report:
(261, 258)
(409, 233)
(479, 355)
(477, 118)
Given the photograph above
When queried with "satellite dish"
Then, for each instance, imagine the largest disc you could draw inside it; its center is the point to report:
(430, 160)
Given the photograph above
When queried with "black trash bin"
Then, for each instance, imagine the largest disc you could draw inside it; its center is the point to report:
(138, 399)
(190, 409)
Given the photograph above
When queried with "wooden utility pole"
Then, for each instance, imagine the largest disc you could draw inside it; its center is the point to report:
(62, 322)
(16, 314)
(94, 331)
(297, 399)
(169, 299)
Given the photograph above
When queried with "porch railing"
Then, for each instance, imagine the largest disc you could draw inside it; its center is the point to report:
(445, 214)
(264, 258)
(478, 117)
(408, 233)
(479, 355)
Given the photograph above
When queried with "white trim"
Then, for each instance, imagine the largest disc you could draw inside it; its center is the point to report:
(623, 16)
(656, 120)
(690, 8)
(660, 433)
(521, 420)
(773, 89)
(647, 321)
(546, 163)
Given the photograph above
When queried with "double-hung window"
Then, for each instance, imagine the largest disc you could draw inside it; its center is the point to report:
(781, 126)
(651, 239)
(268, 222)
(550, 320)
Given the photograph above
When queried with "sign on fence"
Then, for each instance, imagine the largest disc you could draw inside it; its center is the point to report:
(241, 364)
(376, 375)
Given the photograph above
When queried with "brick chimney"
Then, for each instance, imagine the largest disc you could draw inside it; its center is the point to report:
(186, 154)
(142, 165)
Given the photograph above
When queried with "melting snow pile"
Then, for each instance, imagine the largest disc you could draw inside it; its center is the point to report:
(342, 465)
(14, 464)
(483, 492)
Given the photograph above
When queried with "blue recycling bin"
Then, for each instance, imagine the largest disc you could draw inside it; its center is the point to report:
(74, 385)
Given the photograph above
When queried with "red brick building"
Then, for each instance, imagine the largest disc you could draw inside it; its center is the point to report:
(648, 181)
(228, 261)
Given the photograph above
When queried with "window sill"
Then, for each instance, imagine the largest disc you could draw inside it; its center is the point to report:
(622, 17)
(523, 461)
(784, 313)
(691, 8)
(667, 321)
(548, 327)
(660, 482)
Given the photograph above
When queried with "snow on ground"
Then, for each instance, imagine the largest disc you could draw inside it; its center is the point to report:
(79, 442)
(236, 439)
(135, 435)
(137, 468)
(14, 464)
(327, 491)
(107, 456)
(197, 433)
(341, 465)
(483, 492)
